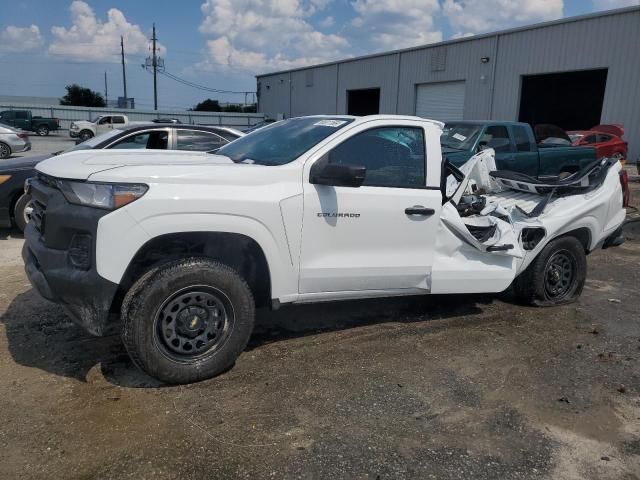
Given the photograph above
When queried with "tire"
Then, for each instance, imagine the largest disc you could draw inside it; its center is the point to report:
(42, 130)
(556, 276)
(168, 306)
(5, 150)
(85, 135)
(21, 212)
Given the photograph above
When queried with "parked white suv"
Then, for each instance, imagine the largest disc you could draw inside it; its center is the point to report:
(182, 246)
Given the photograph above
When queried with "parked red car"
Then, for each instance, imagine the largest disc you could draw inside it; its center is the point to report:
(605, 138)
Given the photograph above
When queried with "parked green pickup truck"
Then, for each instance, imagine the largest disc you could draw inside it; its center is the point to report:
(24, 120)
(515, 146)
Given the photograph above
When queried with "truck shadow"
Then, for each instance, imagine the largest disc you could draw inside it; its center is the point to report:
(40, 335)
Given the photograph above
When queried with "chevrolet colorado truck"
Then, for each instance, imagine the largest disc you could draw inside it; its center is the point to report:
(177, 249)
(516, 148)
(24, 120)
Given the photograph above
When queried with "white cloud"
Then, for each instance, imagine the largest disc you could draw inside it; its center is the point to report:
(477, 16)
(395, 24)
(611, 4)
(20, 39)
(261, 35)
(327, 22)
(88, 38)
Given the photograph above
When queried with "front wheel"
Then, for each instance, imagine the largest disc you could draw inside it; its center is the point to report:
(86, 135)
(187, 320)
(42, 130)
(556, 276)
(22, 211)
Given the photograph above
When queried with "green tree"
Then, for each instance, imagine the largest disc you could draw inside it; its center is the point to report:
(81, 97)
(207, 105)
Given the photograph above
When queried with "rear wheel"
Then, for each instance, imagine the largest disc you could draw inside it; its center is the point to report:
(86, 135)
(5, 150)
(42, 130)
(22, 211)
(556, 276)
(187, 320)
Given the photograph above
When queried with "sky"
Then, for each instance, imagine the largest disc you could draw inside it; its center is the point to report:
(223, 44)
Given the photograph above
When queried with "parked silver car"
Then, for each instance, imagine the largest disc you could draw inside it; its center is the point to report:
(13, 141)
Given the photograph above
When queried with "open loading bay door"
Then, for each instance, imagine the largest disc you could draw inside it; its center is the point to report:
(570, 100)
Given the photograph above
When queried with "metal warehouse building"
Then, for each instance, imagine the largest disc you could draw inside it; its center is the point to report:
(575, 73)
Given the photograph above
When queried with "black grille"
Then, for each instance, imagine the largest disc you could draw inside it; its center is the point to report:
(38, 216)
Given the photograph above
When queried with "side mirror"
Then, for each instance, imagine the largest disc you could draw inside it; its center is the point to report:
(325, 173)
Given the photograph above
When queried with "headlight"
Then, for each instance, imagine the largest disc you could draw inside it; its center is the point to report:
(73, 126)
(109, 196)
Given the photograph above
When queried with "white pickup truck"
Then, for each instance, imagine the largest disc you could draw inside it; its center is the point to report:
(177, 249)
(84, 130)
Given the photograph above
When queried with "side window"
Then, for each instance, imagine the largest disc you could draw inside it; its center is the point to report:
(496, 137)
(393, 156)
(227, 135)
(590, 139)
(147, 140)
(117, 119)
(521, 139)
(602, 138)
(21, 116)
(104, 121)
(199, 141)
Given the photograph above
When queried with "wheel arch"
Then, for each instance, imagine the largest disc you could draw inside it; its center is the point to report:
(238, 251)
(582, 234)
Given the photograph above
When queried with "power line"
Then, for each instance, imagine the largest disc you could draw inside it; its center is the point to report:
(203, 87)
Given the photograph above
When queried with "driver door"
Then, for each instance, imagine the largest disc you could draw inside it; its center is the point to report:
(104, 125)
(379, 236)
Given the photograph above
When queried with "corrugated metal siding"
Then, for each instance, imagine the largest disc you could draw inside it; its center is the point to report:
(319, 97)
(380, 72)
(275, 95)
(462, 64)
(608, 41)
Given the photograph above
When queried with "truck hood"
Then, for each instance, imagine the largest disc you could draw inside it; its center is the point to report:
(21, 163)
(83, 123)
(82, 164)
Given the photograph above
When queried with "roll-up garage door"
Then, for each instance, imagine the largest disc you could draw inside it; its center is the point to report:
(440, 101)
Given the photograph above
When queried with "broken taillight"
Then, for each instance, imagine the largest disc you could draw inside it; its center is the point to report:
(626, 194)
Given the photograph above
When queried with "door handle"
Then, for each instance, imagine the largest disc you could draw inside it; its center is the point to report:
(419, 210)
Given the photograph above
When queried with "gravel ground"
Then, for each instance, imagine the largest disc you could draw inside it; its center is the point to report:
(431, 387)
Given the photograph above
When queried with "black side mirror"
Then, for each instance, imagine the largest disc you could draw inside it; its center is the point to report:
(325, 173)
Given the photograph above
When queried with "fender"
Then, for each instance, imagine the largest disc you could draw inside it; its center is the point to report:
(114, 256)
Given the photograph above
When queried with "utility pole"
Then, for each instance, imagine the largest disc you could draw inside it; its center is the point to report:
(124, 75)
(155, 63)
(106, 90)
(155, 70)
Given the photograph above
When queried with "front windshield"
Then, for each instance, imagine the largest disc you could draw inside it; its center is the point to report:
(460, 136)
(94, 141)
(282, 142)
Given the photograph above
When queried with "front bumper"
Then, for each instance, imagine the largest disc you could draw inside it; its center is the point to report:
(85, 295)
(74, 134)
(21, 148)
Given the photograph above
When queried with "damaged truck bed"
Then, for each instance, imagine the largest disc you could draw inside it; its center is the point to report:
(513, 217)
